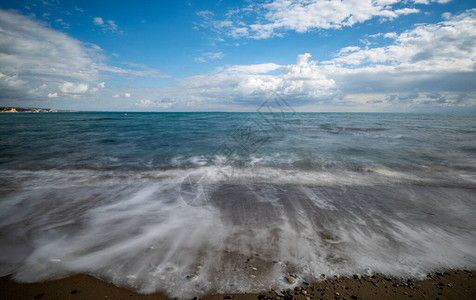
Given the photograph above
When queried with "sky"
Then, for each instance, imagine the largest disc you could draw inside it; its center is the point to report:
(186, 55)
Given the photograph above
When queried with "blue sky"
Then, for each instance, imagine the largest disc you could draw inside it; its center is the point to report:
(332, 55)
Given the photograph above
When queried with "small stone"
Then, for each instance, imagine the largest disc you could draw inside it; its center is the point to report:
(227, 297)
(290, 279)
(297, 289)
(191, 277)
(38, 296)
(353, 297)
(305, 283)
(275, 261)
(254, 269)
(357, 276)
(279, 294)
(323, 276)
(337, 276)
(304, 292)
(405, 293)
(252, 276)
(74, 292)
(337, 294)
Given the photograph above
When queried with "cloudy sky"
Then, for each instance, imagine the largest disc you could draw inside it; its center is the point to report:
(319, 55)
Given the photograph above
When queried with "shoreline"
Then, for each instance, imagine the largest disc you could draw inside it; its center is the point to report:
(450, 284)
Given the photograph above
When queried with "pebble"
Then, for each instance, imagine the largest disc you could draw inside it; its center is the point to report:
(357, 276)
(337, 294)
(74, 291)
(337, 276)
(290, 279)
(323, 276)
(191, 276)
(304, 292)
(254, 269)
(297, 289)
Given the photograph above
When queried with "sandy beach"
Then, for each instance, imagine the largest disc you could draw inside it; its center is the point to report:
(454, 284)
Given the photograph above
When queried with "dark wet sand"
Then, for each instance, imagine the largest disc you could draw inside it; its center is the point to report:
(460, 284)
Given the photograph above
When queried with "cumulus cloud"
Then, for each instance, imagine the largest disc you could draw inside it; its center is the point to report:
(273, 18)
(429, 65)
(71, 88)
(37, 61)
(429, 59)
(98, 21)
(108, 25)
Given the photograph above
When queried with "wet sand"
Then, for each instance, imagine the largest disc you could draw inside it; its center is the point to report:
(454, 284)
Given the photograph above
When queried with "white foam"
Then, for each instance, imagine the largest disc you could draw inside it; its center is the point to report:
(137, 231)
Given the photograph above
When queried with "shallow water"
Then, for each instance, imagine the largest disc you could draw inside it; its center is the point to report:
(233, 202)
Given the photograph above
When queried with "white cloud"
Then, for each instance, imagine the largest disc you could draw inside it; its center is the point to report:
(272, 18)
(127, 95)
(36, 60)
(155, 104)
(108, 25)
(98, 21)
(429, 65)
(209, 56)
(52, 95)
(71, 88)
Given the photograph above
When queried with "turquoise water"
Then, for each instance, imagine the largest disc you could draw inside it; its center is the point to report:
(146, 200)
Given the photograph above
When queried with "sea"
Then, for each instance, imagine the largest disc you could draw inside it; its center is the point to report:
(189, 204)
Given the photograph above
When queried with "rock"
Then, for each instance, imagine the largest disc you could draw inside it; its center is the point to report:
(337, 276)
(279, 294)
(275, 261)
(297, 289)
(252, 276)
(305, 283)
(74, 292)
(304, 292)
(254, 269)
(191, 277)
(405, 293)
(323, 276)
(38, 296)
(227, 297)
(357, 276)
(290, 279)
(337, 294)
(353, 297)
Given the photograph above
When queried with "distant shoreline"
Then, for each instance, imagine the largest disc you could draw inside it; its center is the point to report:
(26, 110)
(31, 110)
